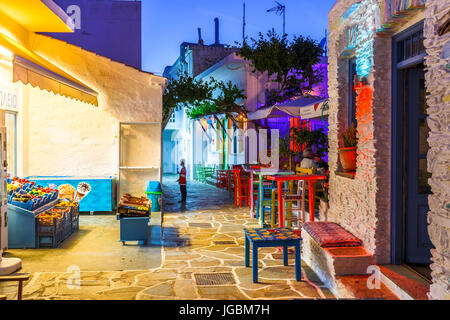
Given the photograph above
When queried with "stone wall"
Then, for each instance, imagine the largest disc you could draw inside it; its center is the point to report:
(207, 56)
(437, 80)
(361, 205)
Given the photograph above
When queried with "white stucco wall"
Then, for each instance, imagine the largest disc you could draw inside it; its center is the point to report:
(62, 136)
(68, 137)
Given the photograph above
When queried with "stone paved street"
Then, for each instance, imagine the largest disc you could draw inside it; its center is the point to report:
(203, 236)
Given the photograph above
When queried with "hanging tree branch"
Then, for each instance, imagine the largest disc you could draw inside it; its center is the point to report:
(202, 98)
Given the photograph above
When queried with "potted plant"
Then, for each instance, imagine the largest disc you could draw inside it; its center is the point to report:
(347, 154)
(287, 155)
(315, 139)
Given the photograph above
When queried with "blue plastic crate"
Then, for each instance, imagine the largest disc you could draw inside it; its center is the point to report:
(22, 226)
(134, 229)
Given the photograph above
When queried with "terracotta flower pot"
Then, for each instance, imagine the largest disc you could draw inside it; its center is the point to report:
(348, 159)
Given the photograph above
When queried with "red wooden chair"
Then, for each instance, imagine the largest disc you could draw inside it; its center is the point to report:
(241, 190)
(222, 179)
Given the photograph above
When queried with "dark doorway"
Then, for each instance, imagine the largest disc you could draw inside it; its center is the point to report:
(411, 243)
(418, 244)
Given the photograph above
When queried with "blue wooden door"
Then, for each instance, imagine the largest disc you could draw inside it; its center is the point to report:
(418, 244)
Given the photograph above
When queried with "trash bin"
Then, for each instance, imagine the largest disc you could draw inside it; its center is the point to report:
(154, 192)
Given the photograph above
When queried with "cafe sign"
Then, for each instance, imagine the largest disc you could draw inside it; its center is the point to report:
(9, 97)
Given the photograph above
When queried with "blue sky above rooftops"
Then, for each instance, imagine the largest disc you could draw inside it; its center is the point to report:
(168, 23)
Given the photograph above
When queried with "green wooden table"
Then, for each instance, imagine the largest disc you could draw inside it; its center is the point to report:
(261, 173)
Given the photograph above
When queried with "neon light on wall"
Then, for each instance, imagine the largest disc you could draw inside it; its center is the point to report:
(357, 40)
(364, 54)
(364, 113)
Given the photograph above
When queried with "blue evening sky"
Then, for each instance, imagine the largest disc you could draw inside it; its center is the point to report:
(168, 23)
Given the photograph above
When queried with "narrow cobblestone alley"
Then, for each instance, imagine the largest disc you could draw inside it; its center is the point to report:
(202, 237)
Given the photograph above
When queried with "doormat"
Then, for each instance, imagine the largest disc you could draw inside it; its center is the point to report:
(214, 279)
(200, 225)
(219, 242)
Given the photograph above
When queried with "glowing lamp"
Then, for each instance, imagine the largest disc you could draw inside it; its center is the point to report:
(5, 53)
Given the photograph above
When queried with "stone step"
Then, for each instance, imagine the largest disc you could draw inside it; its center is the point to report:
(349, 260)
(405, 283)
(331, 264)
(357, 287)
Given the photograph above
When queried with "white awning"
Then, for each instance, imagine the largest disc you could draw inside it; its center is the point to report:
(306, 107)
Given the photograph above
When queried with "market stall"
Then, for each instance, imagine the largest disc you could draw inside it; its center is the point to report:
(41, 216)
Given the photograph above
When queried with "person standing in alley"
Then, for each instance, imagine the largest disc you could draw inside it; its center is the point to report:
(182, 181)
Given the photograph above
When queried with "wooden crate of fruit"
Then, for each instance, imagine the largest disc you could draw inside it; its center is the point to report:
(130, 206)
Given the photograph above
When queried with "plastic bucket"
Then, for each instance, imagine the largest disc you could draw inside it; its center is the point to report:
(154, 197)
(154, 192)
(154, 186)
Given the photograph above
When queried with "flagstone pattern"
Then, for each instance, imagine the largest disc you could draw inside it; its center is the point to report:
(188, 250)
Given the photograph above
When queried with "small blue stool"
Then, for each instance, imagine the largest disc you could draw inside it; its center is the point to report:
(280, 237)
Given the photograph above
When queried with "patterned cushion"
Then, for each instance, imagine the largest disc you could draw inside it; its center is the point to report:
(330, 234)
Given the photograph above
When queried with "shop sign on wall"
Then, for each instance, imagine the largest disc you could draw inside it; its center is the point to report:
(391, 13)
(9, 97)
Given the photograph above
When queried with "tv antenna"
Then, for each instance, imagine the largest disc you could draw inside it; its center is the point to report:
(280, 9)
(243, 26)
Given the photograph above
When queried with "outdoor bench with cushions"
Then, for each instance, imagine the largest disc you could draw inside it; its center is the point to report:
(330, 234)
(331, 251)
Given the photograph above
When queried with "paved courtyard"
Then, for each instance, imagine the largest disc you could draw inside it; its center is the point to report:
(202, 237)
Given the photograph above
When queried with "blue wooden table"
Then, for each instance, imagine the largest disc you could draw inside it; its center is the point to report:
(280, 237)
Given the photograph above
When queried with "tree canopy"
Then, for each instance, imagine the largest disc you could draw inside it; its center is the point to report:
(289, 64)
(202, 98)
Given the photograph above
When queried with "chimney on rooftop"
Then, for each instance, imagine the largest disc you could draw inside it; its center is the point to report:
(216, 21)
(200, 40)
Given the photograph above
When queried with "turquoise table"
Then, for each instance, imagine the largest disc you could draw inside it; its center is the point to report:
(281, 237)
(261, 173)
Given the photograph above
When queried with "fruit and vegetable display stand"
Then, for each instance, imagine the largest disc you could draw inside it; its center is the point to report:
(38, 216)
(134, 216)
